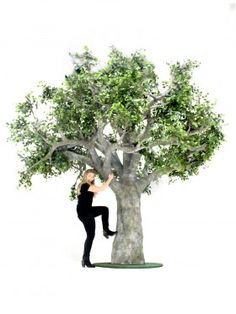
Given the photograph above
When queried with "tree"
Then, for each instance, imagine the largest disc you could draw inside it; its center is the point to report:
(169, 130)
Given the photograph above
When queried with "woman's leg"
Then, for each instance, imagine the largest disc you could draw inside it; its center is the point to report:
(104, 211)
(89, 225)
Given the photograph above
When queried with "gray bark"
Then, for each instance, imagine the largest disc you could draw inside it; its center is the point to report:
(128, 242)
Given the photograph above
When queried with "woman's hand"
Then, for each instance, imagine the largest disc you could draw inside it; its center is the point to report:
(110, 176)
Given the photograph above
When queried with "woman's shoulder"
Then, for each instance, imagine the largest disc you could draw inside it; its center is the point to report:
(85, 186)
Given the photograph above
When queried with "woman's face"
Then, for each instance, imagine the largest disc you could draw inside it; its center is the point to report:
(90, 176)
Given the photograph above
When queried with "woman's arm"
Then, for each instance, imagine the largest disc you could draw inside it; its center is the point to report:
(95, 188)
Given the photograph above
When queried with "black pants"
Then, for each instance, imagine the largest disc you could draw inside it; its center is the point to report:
(89, 225)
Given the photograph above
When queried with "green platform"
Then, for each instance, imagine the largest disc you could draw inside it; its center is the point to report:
(113, 265)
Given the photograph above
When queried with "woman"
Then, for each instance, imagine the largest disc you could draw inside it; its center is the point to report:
(86, 212)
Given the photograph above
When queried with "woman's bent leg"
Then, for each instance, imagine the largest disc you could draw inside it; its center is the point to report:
(101, 210)
(89, 225)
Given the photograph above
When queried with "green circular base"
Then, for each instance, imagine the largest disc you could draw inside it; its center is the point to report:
(114, 265)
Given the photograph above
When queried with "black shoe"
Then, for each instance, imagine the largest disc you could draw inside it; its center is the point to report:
(86, 262)
(108, 232)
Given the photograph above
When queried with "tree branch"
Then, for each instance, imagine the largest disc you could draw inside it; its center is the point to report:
(199, 130)
(96, 160)
(198, 148)
(104, 145)
(42, 137)
(154, 103)
(115, 160)
(159, 142)
(74, 156)
(107, 161)
(56, 145)
(173, 140)
(134, 162)
(116, 163)
(145, 181)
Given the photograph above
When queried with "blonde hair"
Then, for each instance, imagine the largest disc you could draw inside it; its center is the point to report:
(84, 180)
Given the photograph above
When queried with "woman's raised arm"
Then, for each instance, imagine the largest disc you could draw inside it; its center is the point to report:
(96, 188)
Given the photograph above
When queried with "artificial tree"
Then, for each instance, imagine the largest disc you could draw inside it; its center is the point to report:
(118, 118)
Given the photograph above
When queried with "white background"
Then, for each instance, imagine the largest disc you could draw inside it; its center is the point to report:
(189, 226)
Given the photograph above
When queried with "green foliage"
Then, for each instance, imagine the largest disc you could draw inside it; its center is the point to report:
(119, 94)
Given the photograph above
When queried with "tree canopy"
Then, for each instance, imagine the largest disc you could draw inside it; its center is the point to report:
(162, 128)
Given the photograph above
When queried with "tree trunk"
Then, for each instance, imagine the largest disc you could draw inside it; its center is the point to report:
(128, 242)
